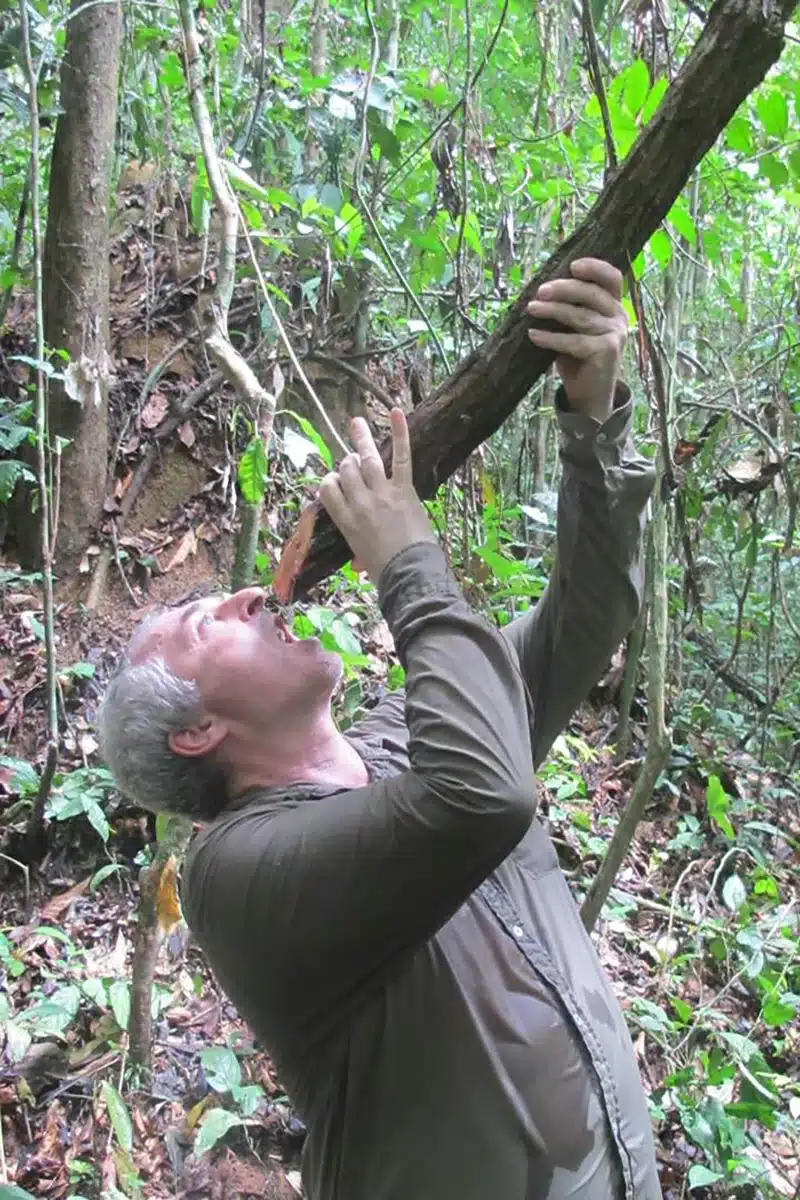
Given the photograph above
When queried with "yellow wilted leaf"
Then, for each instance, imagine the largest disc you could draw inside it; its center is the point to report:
(168, 906)
(487, 488)
(194, 1114)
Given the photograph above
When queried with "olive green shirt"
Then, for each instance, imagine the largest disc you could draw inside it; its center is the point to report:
(408, 952)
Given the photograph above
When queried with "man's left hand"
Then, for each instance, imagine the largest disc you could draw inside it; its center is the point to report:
(588, 357)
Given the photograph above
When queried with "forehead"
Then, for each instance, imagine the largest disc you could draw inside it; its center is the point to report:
(168, 627)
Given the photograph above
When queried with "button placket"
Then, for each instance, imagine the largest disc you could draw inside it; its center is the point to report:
(539, 960)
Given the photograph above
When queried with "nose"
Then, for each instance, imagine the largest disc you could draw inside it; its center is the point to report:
(242, 605)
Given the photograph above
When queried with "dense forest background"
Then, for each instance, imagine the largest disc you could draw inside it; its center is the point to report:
(224, 229)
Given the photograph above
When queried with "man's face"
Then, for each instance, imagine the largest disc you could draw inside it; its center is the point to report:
(248, 667)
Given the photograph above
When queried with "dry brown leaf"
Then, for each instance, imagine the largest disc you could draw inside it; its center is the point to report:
(168, 906)
(121, 485)
(187, 434)
(278, 381)
(154, 411)
(54, 907)
(745, 470)
(187, 546)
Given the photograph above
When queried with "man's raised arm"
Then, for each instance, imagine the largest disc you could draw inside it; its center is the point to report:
(595, 587)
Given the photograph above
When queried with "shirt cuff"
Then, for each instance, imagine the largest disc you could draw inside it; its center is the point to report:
(419, 571)
(584, 437)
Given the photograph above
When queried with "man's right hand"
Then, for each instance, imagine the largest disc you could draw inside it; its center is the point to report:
(379, 517)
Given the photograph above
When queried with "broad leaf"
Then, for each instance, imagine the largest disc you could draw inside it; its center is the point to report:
(734, 893)
(222, 1068)
(253, 472)
(773, 113)
(700, 1176)
(311, 433)
(119, 995)
(119, 1116)
(215, 1125)
(718, 803)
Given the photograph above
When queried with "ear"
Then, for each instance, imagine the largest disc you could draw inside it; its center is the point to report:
(199, 739)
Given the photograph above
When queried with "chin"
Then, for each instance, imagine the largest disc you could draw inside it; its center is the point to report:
(334, 667)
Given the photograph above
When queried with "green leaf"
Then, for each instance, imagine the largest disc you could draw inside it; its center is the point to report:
(739, 135)
(637, 85)
(200, 203)
(774, 170)
(346, 641)
(472, 233)
(171, 71)
(779, 1010)
(653, 101)
(119, 995)
(734, 893)
(383, 138)
(222, 1068)
(23, 777)
(681, 221)
(349, 224)
(700, 1176)
(215, 1125)
(311, 433)
(661, 248)
(11, 471)
(794, 162)
(253, 472)
(10, 1191)
(245, 183)
(54, 1015)
(95, 990)
(163, 820)
(718, 803)
(96, 818)
(683, 1011)
(119, 1116)
(341, 107)
(773, 113)
(248, 1098)
(298, 449)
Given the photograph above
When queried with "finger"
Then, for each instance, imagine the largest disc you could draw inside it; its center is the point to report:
(582, 320)
(372, 469)
(351, 481)
(576, 345)
(597, 270)
(580, 293)
(401, 448)
(333, 500)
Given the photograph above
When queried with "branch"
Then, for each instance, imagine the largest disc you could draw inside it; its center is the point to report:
(36, 822)
(742, 39)
(220, 188)
(361, 378)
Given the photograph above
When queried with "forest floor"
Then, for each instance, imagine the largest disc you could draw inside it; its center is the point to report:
(67, 924)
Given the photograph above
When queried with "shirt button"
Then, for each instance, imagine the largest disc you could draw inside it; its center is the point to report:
(517, 931)
(602, 438)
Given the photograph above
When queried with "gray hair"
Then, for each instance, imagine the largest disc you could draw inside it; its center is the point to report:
(143, 704)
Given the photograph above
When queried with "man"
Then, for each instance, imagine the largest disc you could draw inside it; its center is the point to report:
(384, 908)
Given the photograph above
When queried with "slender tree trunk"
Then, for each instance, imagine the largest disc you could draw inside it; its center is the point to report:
(659, 738)
(633, 656)
(76, 276)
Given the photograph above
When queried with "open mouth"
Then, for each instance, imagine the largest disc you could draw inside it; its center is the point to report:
(283, 630)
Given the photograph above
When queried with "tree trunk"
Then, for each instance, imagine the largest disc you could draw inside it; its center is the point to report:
(739, 43)
(76, 276)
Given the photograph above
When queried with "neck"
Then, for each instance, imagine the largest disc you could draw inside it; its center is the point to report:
(316, 752)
